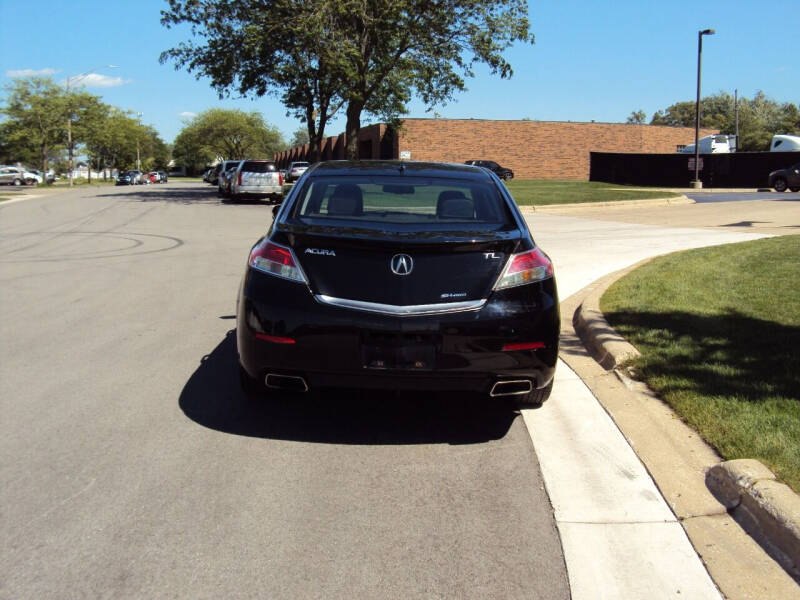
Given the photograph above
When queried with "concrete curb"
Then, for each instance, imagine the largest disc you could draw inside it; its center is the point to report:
(611, 204)
(766, 509)
(605, 345)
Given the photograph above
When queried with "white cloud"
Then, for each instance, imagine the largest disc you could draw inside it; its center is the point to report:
(188, 113)
(31, 72)
(98, 80)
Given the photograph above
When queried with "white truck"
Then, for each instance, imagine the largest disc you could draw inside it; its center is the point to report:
(712, 144)
(785, 143)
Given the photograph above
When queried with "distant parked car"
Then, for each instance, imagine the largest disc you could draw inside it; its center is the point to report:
(295, 170)
(256, 178)
(224, 179)
(501, 172)
(786, 178)
(49, 176)
(163, 177)
(17, 176)
(132, 177)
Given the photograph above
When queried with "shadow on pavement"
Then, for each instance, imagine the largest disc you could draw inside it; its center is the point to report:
(179, 194)
(212, 398)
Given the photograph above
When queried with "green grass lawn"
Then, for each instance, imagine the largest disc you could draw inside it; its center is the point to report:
(719, 332)
(538, 192)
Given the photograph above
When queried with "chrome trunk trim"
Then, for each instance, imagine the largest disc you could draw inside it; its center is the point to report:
(411, 310)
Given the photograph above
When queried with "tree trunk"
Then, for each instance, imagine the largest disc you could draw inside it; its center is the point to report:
(44, 160)
(353, 127)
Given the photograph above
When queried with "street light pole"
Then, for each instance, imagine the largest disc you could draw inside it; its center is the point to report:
(69, 112)
(138, 160)
(697, 183)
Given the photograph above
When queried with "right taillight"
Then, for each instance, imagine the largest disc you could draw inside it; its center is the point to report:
(524, 268)
(275, 259)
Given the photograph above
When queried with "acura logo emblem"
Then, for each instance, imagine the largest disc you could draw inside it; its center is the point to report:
(401, 264)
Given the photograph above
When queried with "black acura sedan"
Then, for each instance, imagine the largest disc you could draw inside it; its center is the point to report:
(398, 275)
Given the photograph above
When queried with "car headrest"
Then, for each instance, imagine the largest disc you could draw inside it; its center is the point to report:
(346, 200)
(453, 204)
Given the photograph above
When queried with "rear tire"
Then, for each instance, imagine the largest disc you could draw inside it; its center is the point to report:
(795, 189)
(780, 184)
(18, 182)
(535, 397)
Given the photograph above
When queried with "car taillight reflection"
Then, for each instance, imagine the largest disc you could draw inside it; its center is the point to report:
(272, 258)
(524, 268)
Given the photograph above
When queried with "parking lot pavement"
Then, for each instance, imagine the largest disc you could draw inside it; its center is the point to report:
(131, 466)
(718, 196)
(777, 214)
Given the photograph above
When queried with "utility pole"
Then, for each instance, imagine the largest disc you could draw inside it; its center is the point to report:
(69, 131)
(139, 122)
(697, 183)
(736, 115)
(69, 114)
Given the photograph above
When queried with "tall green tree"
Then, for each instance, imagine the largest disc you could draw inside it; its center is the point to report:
(226, 133)
(36, 117)
(368, 56)
(299, 138)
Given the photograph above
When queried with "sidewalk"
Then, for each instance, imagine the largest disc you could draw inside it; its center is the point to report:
(676, 458)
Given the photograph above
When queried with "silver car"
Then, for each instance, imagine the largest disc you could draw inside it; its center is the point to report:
(296, 169)
(16, 176)
(256, 178)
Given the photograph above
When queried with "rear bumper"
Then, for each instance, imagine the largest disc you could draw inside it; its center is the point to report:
(257, 191)
(342, 347)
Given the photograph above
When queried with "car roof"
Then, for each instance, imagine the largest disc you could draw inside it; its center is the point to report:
(395, 167)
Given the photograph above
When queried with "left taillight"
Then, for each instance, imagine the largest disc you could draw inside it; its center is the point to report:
(272, 258)
(524, 268)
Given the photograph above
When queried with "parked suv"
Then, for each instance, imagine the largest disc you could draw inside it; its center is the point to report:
(501, 172)
(256, 178)
(16, 176)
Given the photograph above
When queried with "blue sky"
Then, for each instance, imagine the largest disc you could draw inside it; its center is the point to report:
(592, 60)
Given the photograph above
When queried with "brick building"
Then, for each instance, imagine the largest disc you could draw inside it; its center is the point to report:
(532, 149)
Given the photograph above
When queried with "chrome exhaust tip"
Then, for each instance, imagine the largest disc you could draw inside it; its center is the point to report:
(288, 383)
(516, 387)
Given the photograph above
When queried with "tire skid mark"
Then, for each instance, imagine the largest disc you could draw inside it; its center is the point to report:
(141, 243)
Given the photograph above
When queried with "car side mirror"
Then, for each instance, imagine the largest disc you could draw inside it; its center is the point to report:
(275, 210)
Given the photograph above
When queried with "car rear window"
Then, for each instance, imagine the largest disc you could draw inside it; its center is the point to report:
(300, 164)
(258, 166)
(388, 199)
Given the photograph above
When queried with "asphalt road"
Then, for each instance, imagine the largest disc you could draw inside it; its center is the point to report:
(131, 467)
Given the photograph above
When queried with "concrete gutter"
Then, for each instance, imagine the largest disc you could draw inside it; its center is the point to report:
(665, 201)
(745, 560)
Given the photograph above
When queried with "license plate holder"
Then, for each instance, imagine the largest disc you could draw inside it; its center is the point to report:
(398, 352)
